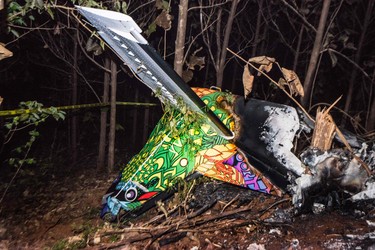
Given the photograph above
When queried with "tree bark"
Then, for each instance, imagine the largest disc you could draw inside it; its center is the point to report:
(257, 30)
(180, 40)
(135, 135)
(223, 52)
(112, 119)
(3, 17)
(298, 49)
(103, 121)
(307, 86)
(74, 123)
(357, 58)
(218, 38)
(146, 121)
(370, 122)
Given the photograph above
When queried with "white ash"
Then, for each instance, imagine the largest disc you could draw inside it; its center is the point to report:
(279, 131)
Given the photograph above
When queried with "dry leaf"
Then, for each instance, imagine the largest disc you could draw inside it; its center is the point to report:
(292, 81)
(187, 75)
(4, 53)
(266, 68)
(164, 20)
(93, 46)
(262, 60)
(196, 61)
(57, 29)
(265, 62)
(247, 80)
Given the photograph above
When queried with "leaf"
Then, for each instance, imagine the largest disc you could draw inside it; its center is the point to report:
(196, 61)
(4, 53)
(265, 68)
(333, 58)
(150, 29)
(247, 81)
(265, 62)
(92, 45)
(11, 161)
(56, 29)
(61, 115)
(15, 33)
(164, 20)
(262, 60)
(30, 161)
(124, 7)
(162, 5)
(8, 126)
(49, 11)
(118, 127)
(35, 116)
(34, 133)
(350, 45)
(117, 6)
(14, 6)
(39, 4)
(187, 75)
(292, 81)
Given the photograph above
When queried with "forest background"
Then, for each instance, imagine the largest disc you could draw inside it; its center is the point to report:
(51, 57)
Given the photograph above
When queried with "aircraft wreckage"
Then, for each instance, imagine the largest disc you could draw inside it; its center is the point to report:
(245, 142)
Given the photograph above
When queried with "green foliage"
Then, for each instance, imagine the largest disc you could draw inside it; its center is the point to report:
(114, 238)
(163, 5)
(120, 6)
(85, 230)
(60, 245)
(150, 29)
(34, 115)
(90, 3)
(82, 232)
(22, 15)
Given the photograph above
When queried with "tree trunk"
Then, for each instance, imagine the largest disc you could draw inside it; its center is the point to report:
(298, 49)
(180, 40)
(357, 58)
(3, 17)
(135, 135)
(103, 121)
(257, 30)
(263, 44)
(370, 122)
(146, 121)
(112, 119)
(218, 38)
(74, 123)
(223, 52)
(234, 83)
(307, 86)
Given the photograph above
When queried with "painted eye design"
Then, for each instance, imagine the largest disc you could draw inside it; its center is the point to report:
(131, 194)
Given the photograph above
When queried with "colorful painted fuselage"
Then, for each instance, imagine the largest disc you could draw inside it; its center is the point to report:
(169, 156)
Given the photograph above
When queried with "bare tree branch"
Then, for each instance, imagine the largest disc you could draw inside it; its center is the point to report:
(309, 25)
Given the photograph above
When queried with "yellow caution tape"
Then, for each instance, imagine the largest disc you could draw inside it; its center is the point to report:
(90, 105)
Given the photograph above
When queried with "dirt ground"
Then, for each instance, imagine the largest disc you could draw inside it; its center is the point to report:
(61, 212)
